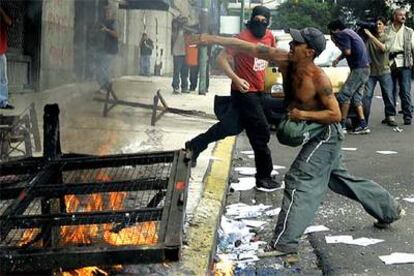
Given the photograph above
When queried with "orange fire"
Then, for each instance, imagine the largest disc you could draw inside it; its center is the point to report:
(138, 234)
(85, 271)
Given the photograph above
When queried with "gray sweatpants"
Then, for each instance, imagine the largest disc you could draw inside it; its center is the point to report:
(318, 167)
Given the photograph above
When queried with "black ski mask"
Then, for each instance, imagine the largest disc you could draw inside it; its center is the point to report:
(257, 27)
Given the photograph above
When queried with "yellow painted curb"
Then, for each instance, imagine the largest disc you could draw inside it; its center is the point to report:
(201, 236)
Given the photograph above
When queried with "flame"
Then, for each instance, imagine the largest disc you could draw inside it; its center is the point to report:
(27, 236)
(138, 234)
(81, 233)
(85, 271)
(224, 267)
(143, 233)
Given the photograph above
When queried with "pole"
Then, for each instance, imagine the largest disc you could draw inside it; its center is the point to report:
(241, 15)
(202, 85)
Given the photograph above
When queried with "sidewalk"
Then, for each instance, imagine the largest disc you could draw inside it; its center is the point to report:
(128, 130)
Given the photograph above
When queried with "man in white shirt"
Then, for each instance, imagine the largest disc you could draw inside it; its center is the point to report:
(401, 48)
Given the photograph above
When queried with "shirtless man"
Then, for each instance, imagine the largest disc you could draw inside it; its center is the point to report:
(318, 165)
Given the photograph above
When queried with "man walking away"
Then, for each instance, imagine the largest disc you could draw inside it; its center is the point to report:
(5, 22)
(146, 47)
(401, 47)
(110, 49)
(353, 49)
(180, 70)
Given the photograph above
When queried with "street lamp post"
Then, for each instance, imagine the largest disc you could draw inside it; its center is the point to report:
(204, 23)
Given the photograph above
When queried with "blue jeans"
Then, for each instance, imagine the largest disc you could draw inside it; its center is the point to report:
(144, 65)
(402, 77)
(4, 92)
(353, 89)
(385, 82)
(104, 71)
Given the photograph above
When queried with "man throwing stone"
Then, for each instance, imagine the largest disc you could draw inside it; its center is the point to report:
(318, 166)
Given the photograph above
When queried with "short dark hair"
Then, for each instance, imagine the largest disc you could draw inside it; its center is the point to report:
(382, 19)
(336, 25)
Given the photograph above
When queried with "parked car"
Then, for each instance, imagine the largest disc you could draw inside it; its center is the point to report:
(337, 75)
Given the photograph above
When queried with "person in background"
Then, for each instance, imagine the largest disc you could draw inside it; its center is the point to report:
(110, 48)
(353, 49)
(192, 62)
(380, 72)
(146, 46)
(5, 22)
(180, 70)
(401, 50)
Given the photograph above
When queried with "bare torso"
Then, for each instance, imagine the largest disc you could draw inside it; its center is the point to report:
(304, 88)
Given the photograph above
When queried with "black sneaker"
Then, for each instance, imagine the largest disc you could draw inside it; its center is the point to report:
(389, 121)
(361, 130)
(192, 154)
(407, 122)
(383, 225)
(267, 184)
(7, 106)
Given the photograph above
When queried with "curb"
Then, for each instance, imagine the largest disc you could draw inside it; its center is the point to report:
(201, 239)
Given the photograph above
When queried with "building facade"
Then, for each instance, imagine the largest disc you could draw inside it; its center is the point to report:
(54, 42)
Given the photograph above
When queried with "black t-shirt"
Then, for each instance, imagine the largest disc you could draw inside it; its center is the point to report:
(110, 42)
(146, 47)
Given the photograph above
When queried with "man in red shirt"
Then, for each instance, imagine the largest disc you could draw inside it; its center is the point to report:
(5, 21)
(249, 102)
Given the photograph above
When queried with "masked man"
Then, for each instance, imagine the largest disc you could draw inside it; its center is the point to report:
(248, 98)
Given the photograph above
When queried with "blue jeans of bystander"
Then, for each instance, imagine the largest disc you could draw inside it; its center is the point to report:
(385, 82)
(4, 92)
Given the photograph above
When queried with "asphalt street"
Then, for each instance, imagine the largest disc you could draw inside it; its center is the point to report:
(343, 216)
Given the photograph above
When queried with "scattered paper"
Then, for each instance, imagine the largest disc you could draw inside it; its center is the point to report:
(251, 171)
(273, 212)
(316, 228)
(386, 152)
(244, 184)
(254, 223)
(246, 170)
(378, 97)
(349, 149)
(338, 239)
(240, 211)
(409, 199)
(248, 152)
(347, 239)
(278, 167)
(398, 258)
(364, 241)
(212, 158)
(397, 129)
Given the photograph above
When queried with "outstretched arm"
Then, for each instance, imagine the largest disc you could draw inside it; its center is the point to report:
(275, 55)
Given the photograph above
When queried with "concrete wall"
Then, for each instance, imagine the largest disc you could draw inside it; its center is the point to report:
(131, 24)
(56, 66)
(134, 22)
(57, 39)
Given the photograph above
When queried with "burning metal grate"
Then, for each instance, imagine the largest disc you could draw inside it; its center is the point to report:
(76, 211)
